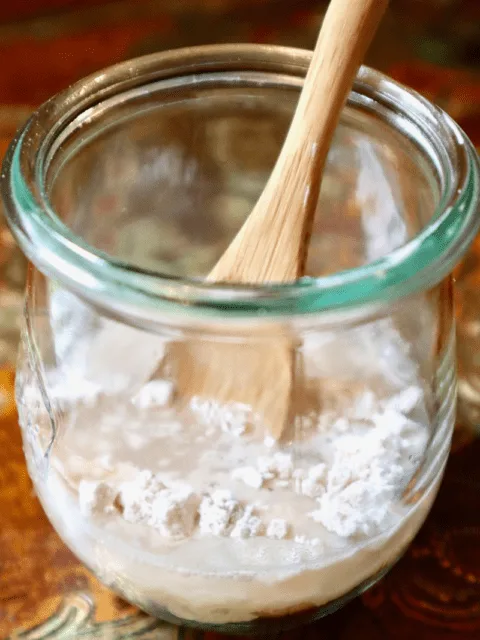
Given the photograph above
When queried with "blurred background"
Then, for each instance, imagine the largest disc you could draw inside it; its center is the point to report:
(45, 45)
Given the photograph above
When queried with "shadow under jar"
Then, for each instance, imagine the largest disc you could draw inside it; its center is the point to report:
(123, 191)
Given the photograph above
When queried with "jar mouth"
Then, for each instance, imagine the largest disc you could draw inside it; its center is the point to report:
(417, 265)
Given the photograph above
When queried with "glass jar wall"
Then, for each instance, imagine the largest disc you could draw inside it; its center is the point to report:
(124, 191)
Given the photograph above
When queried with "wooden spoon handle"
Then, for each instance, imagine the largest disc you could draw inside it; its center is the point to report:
(346, 33)
(285, 211)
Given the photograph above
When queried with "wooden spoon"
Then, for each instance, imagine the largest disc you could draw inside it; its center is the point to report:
(272, 244)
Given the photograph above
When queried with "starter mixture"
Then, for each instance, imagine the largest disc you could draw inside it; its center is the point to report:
(191, 512)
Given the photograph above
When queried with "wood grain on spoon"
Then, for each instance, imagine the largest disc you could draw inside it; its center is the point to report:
(272, 245)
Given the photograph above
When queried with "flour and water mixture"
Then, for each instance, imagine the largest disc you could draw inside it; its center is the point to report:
(195, 513)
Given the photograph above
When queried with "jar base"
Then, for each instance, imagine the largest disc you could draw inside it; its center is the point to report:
(264, 625)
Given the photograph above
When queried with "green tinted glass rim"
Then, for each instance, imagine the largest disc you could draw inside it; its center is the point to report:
(418, 265)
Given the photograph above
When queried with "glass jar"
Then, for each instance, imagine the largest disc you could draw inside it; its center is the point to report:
(123, 191)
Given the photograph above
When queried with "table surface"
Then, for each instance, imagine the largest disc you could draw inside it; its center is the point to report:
(434, 591)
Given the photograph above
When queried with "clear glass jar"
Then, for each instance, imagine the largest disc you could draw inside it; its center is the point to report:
(123, 191)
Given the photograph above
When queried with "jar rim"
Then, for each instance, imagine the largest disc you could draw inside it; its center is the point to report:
(419, 264)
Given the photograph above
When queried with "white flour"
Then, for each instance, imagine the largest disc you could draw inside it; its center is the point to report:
(365, 461)
(193, 512)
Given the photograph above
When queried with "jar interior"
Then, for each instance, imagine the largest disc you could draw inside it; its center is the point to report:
(162, 177)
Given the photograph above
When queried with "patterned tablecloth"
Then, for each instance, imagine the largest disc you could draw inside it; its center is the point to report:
(434, 592)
